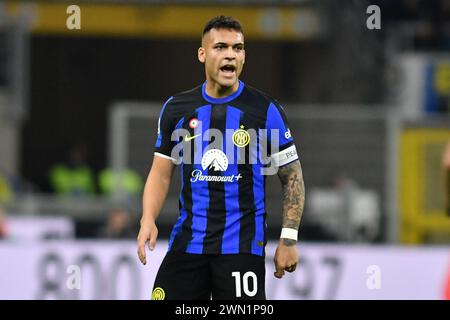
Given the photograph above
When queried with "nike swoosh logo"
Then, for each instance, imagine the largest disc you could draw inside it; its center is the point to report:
(186, 138)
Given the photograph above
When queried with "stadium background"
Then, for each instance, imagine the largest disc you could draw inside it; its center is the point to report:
(369, 110)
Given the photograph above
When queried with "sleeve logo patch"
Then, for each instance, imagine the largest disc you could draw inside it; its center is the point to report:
(287, 134)
(193, 123)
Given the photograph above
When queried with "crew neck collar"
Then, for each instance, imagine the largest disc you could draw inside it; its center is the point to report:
(224, 99)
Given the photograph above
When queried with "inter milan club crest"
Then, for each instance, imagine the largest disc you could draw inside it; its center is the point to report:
(193, 123)
(241, 137)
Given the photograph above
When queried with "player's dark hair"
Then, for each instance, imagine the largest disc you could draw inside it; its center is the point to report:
(222, 22)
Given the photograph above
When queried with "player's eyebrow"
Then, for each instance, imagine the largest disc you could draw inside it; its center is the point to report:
(226, 44)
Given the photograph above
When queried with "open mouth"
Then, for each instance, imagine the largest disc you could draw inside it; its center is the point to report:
(228, 68)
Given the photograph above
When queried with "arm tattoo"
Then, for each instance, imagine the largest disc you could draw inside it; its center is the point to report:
(291, 177)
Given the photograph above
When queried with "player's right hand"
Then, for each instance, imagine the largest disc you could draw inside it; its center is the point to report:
(147, 233)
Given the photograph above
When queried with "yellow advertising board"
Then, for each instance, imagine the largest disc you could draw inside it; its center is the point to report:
(422, 211)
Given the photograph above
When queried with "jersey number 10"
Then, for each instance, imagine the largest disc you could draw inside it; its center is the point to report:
(245, 282)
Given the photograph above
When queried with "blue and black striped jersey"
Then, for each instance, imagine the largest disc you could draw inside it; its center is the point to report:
(223, 147)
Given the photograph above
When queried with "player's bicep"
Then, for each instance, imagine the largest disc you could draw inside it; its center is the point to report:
(287, 171)
(162, 167)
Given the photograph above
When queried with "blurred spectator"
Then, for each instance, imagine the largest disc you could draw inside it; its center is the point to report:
(361, 213)
(75, 177)
(120, 184)
(446, 167)
(342, 181)
(118, 225)
(3, 228)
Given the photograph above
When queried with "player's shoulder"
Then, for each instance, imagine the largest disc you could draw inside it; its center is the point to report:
(260, 97)
(180, 102)
(193, 94)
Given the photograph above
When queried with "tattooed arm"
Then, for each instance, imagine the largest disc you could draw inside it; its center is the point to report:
(293, 196)
(291, 178)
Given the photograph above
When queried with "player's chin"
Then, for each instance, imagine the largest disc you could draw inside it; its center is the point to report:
(228, 81)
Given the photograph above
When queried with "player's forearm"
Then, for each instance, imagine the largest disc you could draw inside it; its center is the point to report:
(293, 186)
(155, 193)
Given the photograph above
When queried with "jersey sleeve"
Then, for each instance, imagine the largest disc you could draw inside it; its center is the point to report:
(164, 144)
(280, 142)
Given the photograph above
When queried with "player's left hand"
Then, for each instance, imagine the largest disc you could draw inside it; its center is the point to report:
(286, 259)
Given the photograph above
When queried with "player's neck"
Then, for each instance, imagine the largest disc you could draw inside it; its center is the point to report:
(214, 90)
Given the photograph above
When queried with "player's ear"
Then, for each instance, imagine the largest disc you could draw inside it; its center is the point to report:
(201, 54)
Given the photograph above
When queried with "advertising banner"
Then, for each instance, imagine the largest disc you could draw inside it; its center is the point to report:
(111, 270)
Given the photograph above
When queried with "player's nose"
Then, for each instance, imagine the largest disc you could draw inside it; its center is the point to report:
(230, 54)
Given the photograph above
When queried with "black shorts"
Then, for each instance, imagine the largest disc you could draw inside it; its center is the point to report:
(184, 276)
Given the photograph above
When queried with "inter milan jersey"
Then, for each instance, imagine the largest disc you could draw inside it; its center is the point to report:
(225, 148)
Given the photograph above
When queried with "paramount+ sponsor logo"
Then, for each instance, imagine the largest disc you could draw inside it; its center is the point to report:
(214, 160)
